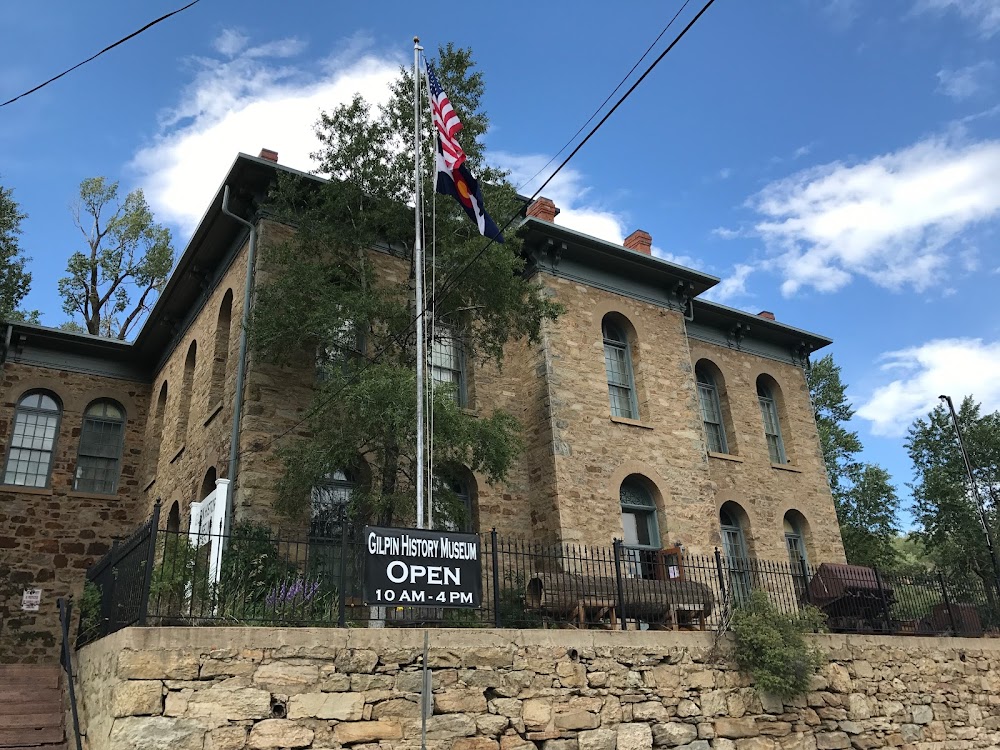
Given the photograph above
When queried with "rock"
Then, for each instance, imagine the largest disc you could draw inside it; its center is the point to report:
(559, 745)
(349, 733)
(176, 702)
(227, 738)
(771, 703)
(510, 707)
(851, 727)
(649, 711)
(460, 701)
(922, 714)
(491, 725)
(863, 670)
(357, 661)
(571, 674)
(340, 706)
(597, 679)
(735, 705)
(156, 733)
(697, 745)
(137, 698)
(857, 707)
(688, 708)
(911, 733)
(736, 728)
(397, 707)
(281, 677)
(450, 726)
(226, 668)
(230, 705)
(578, 719)
(832, 741)
(515, 742)
(674, 733)
(722, 743)
(634, 737)
(536, 713)
(339, 683)
(279, 733)
(839, 677)
(798, 741)
(713, 703)
(755, 743)
(597, 739)
(475, 743)
(157, 665)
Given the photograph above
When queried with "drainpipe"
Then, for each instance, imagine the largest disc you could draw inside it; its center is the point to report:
(234, 442)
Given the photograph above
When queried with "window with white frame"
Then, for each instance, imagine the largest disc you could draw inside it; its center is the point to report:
(33, 440)
(640, 530)
(618, 365)
(98, 461)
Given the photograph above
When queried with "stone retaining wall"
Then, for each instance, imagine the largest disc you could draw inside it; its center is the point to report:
(263, 689)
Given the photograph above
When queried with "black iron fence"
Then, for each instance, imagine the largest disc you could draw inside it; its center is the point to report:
(168, 577)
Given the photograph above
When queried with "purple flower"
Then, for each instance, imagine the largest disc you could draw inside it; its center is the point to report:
(298, 591)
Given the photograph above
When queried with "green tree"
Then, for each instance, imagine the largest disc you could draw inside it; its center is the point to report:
(944, 507)
(127, 261)
(15, 280)
(865, 499)
(325, 290)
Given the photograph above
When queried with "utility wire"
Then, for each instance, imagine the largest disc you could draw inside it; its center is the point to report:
(608, 97)
(448, 286)
(94, 57)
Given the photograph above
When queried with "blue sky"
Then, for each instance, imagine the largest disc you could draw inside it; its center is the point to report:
(834, 161)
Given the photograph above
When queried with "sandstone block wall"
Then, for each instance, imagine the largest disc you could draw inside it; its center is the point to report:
(746, 476)
(262, 689)
(50, 536)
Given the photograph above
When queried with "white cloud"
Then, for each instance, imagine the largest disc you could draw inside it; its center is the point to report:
(725, 233)
(893, 219)
(955, 367)
(230, 42)
(962, 83)
(732, 286)
(725, 173)
(983, 14)
(257, 99)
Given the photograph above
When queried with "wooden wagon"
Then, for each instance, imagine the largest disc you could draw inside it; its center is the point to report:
(579, 599)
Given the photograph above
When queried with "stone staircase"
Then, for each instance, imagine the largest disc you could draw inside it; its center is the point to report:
(31, 707)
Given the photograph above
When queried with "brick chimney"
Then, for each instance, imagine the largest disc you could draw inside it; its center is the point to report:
(640, 241)
(266, 153)
(766, 314)
(543, 209)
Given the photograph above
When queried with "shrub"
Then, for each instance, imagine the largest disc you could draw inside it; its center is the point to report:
(771, 645)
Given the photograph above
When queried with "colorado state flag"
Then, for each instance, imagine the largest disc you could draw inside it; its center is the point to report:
(460, 184)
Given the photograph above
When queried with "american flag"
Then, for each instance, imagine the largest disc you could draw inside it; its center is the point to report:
(446, 122)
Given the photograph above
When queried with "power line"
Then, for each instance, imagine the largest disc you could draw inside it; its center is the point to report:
(608, 97)
(448, 286)
(106, 49)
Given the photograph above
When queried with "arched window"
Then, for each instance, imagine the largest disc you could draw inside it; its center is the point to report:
(187, 385)
(156, 436)
(711, 410)
(220, 357)
(795, 541)
(453, 502)
(772, 426)
(98, 462)
(329, 504)
(733, 541)
(640, 531)
(618, 364)
(208, 483)
(734, 545)
(174, 519)
(343, 346)
(448, 361)
(33, 440)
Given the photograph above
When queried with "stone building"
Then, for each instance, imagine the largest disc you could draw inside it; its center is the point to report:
(687, 420)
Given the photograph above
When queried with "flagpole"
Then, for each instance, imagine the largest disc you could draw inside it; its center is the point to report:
(418, 266)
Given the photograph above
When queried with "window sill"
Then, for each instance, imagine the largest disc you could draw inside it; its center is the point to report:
(24, 490)
(178, 454)
(94, 495)
(786, 467)
(630, 422)
(725, 457)
(213, 413)
(150, 484)
(468, 411)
